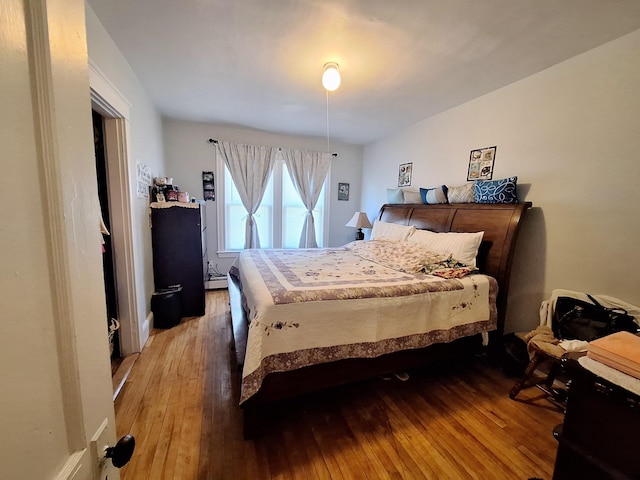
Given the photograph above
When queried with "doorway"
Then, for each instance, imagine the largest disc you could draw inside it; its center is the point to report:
(108, 263)
(114, 109)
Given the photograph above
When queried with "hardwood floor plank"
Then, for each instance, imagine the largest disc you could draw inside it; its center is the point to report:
(309, 458)
(407, 426)
(187, 451)
(385, 439)
(127, 406)
(452, 421)
(441, 430)
(328, 439)
(163, 463)
(374, 445)
(492, 446)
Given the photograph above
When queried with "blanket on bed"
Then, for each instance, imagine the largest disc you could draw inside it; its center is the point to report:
(319, 305)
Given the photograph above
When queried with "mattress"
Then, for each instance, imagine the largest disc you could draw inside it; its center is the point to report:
(311, 306)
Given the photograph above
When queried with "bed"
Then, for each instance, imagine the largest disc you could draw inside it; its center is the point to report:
(329, 331)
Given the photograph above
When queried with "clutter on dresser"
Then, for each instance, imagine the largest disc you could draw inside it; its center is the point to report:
(163, 190)
(620, 350)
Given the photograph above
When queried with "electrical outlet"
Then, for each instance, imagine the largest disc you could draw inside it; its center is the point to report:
(103, 469)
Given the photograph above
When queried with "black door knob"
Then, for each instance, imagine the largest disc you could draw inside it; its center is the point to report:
(122, 452)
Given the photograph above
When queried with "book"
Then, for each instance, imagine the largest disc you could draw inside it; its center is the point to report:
(620, 350)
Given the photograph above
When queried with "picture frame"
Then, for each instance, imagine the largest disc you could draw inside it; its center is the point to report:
(343, 191)
(156, 193)
(481, 163)
(208, 186)
(404, 174)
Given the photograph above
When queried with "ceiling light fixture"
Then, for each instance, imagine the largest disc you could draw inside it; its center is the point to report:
(331, 76)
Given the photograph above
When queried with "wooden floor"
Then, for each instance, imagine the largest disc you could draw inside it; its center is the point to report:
(180, 403)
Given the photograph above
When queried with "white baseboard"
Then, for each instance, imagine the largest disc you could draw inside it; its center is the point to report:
(147, 325)
(216, 282)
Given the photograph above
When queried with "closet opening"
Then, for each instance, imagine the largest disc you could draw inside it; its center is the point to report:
(108, 263)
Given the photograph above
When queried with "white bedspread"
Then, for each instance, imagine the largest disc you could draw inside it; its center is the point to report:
(319, 305)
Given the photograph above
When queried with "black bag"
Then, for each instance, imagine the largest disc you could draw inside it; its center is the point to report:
(575, 319)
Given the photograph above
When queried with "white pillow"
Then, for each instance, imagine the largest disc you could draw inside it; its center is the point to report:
(412, 196)
(461, 246)
(391, 231)
(462, 194)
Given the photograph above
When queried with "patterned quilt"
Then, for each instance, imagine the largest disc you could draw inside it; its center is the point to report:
(311, 306)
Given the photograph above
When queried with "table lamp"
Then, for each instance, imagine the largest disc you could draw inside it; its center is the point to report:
(359, 221)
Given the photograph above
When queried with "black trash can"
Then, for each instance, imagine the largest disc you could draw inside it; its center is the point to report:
(166, 305)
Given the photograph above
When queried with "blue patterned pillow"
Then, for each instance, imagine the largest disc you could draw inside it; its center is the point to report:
(434, 195)
(496, 191)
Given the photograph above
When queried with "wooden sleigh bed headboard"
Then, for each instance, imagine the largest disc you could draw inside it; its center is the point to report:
(500, 223)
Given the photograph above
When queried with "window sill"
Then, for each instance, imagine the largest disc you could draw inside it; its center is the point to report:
(228, 253)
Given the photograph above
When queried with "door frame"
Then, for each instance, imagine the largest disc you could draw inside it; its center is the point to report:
(114, 107)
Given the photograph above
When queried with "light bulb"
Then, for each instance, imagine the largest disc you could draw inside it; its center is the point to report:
(331, 77)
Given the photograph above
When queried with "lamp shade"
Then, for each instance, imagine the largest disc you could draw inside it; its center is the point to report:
(331, 77)
(359, 220)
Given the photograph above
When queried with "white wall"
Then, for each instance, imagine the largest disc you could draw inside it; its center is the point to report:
(145, 145)
(188, 154)
(570, 134)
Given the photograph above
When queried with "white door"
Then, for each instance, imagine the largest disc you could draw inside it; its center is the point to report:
(54, 355)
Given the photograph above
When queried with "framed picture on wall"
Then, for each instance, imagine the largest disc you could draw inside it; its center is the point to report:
(404, 174)
(343, 191)
(208, 186)
(481, 163)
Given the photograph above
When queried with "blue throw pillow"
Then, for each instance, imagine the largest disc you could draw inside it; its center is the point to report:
(496, 191)
(434, 195)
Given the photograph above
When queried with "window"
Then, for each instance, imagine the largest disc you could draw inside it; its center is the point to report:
(279, 218)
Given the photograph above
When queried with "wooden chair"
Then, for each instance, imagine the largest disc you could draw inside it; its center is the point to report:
(546, 384)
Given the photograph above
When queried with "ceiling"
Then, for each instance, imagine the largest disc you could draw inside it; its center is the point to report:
(257, 64)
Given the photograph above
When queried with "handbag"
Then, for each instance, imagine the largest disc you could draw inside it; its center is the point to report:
(575, 319)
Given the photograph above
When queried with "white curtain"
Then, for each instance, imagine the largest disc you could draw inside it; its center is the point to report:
(308, 171)
(250, 167)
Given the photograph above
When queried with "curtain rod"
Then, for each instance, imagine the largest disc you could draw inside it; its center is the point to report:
(211, 140)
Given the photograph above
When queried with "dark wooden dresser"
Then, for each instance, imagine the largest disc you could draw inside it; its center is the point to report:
(178, 237)
(600, 436)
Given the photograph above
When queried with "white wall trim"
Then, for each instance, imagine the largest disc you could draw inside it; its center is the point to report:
(55, 222)
(220, 214)
(73, 467)
(112, 105)
(147, 325)
(121, 232)
(106, 94)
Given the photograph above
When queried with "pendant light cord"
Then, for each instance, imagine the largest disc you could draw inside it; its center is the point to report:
(328, 145)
